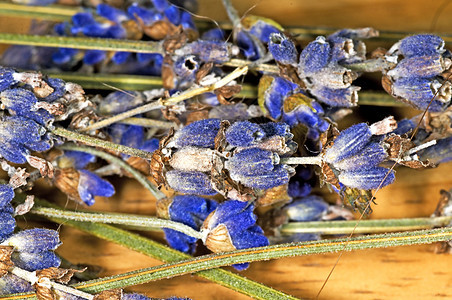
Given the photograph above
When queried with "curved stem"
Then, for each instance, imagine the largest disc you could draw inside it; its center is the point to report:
(365, 226)
(119, 219)
(32, 278)
(170, 101)
(119, 162)
(96, 142)
(233, 15)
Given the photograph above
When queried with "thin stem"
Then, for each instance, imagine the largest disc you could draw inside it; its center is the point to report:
(106, 81)
(120, 163)
(304, 160)
(370, 65)
(233, 15)
(119, 219)
(365, 226)
(83, 43)
(48, 13)
(235, 62)
(158, 251)
(170, 101)
(265, 253)
(145, 122)
(96, 142)
(32, 278)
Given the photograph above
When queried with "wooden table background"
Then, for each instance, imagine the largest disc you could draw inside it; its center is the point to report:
(395, 273)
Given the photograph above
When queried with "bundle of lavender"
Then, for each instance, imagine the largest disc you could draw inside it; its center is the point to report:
(234, 136)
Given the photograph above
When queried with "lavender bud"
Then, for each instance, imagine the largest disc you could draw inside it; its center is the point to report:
(252, 161)
(421, 44)
(314, 57)
(420, 66)
(367, 179)
(35, 261)
(193, 182)
(200, 134)
(244, 134)
(310, 208)
(34, 240)
(282, 49)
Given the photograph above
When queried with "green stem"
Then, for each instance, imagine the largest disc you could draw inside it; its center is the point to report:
(158, 251)
(365, 226)
(107, 81)
(119, 162)
(265, 253)
(81, 43)
(118, 219)
(96, 142)
(64, 13)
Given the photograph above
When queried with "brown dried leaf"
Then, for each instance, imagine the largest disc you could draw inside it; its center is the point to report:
(67, 180)
(329, 176)
(115, 294)
(277, 194)
(290, 73)
(5, 259)
(398, 145)
(220, 138)
(160, 29)
(25, 207)
(203, 71)
(227, 92)
(168, 74)
(177, 39)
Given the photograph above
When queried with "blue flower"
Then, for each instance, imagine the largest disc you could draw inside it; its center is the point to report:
(261, 27)
(310, 208)
(192, 182)
(244, 133)
(186, 67)
(33, 249)
(18, 136)
(79, 184)
(233, 226)
(441, 152)
(282, 49)
(314, 57)
(7, 221)
(189, 210)
(208, 50)
(420, 91)
(272, 91)
(200, 134)
(355, 159)
(11, 284)
(421, 44)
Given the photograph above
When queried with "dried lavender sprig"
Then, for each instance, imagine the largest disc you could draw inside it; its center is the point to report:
(81, 43)
(172, 100)
(92, 141)
(33, 279)
(365, 226)
(121, 163)
(119, 219)
(265, 253)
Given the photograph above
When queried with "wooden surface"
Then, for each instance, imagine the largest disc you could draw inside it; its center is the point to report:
(396, 273)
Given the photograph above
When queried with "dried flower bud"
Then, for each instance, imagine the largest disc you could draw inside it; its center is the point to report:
(233, 226)
(192, 182)
(310, 208)
(282, 49)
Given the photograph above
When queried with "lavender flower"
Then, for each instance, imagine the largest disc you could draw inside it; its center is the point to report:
(416, 77)
(78, 183)
(354, 159)
(233, 226)
(33, 249)
(282, 49)
(7, 221)
(189, 210)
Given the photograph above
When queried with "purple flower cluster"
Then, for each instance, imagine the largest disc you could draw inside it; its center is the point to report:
(250, 155)
(416, 77)
(354, 158)
(323, 66)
